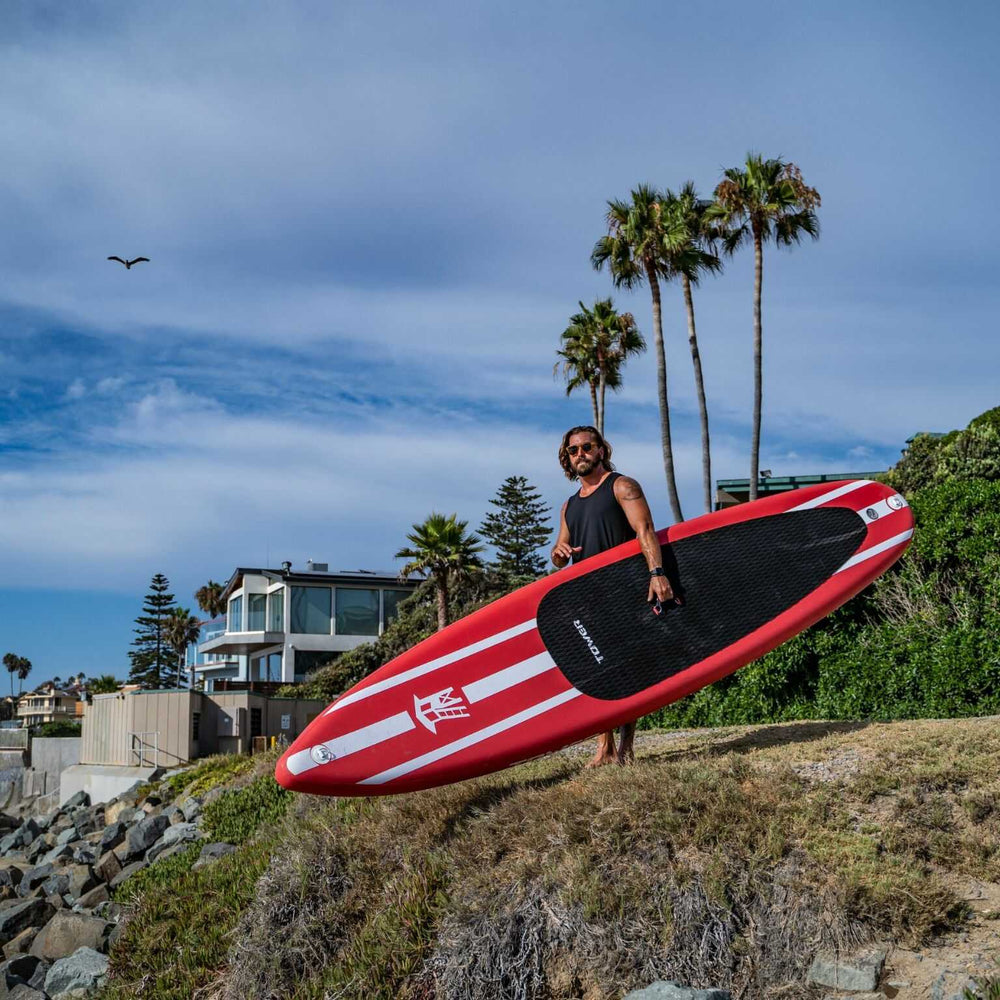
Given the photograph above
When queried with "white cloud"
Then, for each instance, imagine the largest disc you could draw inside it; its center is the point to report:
(109, 385)
(76, 389)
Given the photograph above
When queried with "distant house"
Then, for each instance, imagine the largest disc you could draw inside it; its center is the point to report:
(282, 623)
(47, 704)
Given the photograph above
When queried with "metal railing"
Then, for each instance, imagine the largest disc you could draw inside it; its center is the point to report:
(139, 747)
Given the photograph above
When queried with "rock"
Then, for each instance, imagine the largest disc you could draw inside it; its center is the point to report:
(179, 833)
(57, 854)
(33, 878)
(212, 852)
(83, 970)
(81, 879)
(55, 899)
(857, 996)
(81, 798)
(111, 912)
(191, 808)
(89, 899)
(36, 849)
(24, 992)
(20, 943)
(142, 837)
(108, 866)
(66, 932)
(84, 855)
(67, 836)
(125, 803)
(22, 966)
(127, 872)
(11, 875)
(28, 913)
(859, 971)
(174, 814)
(167, 852)
(664, 989)
(113, 835)
(37, 980)
(56, 885)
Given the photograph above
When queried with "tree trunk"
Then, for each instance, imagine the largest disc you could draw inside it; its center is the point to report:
(699, 382)
(661, 386)
(442, 596)
(600, 418)
(758, 277)
(593, 402)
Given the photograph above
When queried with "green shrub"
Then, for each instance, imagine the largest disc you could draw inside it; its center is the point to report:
(60, 728)
(237, 815)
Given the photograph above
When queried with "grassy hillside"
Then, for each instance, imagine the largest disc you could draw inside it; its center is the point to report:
(722, 858)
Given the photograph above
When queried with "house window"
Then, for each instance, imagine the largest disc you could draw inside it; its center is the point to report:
(357, 612)
(276, 613)
(195, 725)
(390, 604)
(256, 609)
(235, 615)
(256, 728)
(311, 608)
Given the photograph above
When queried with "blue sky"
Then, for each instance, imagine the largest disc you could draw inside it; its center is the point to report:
(368, 225)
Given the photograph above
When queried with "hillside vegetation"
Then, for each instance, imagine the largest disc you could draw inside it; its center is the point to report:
(725, 859)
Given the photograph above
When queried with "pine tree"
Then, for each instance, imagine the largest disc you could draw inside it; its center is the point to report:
(518, 527)
(151, 658)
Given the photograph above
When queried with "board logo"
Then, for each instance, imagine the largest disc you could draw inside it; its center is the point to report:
(440, 705)
(591, 645)
(872, 514)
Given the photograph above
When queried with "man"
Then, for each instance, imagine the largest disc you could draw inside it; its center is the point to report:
(608, 509)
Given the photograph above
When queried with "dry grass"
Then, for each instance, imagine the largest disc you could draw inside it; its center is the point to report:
(725, 858)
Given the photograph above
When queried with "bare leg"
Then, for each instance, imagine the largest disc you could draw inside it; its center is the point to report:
(626, 734)
(605, 749)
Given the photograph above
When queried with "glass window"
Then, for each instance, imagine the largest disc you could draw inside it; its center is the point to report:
(276, 613)
(256, 608)
(256, 728)
(390, 604)
(357, 612)
(236, 615)
(310, 612)
(195, 725)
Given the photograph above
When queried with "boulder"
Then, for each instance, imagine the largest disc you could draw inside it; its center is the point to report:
(859, 971)
(68, 836)
(37, 980)
(20, 943)
(108, 866)
(113, 835)
(15, 917)
(212, 852)
(20, 967)
(36, 849)
(90, 899)
(33, 878)
(142, 836)
(83, 970)
(125, 803)
(81, 798)
(56, 885)
(55, 899)
(665, 989)
(24, 992)
(68, 931)
(82, 879)
(127, 872)
(191, 809)
(57, 854)
(11, 875)
(85, 855)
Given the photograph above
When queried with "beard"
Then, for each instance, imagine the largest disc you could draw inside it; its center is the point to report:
(585, 466)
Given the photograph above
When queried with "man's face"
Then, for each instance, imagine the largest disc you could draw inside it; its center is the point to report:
(584, 453)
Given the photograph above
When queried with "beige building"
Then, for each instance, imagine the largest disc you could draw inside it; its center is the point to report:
(171, 728)
(47, 705)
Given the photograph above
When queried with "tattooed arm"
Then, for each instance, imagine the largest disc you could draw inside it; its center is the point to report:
(629, 495)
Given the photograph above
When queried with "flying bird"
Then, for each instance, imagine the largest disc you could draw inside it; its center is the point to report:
(129, 263)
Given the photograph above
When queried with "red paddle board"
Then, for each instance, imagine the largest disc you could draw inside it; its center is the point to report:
(581, 651)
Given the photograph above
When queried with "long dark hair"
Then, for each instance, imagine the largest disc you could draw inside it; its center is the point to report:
(564, 449)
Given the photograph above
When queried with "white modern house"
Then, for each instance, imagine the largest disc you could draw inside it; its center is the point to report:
(282, 623)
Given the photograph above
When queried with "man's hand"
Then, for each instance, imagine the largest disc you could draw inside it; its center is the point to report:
(659, 587)
(563, 552)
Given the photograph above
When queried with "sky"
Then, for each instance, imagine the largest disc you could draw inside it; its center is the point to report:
(367, 226)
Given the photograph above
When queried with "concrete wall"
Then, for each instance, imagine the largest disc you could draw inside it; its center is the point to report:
(51, 756)
(101, 782)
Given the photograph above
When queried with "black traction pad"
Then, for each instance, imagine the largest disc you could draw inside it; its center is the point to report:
(609, 644)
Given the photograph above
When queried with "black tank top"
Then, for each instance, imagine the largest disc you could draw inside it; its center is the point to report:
(597, 522)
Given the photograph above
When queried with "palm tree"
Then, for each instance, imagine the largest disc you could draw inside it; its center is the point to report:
(633, 251)
(442, 551)
(596, 345)
(688, 252)
(105, 684)
(210, 600)
(11, 661)
(764, 201)
(180, 629)
(23, 669)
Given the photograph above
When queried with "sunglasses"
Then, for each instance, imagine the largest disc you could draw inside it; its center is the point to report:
(586, 448)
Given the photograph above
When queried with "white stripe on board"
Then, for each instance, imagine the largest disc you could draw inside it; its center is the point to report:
(876, 550)
(430, 665)
(880, 510)
(472, 739)
(359, 739)
(832, 495)
(508, 677)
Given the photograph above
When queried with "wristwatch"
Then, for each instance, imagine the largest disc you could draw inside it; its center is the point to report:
(657, 572)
